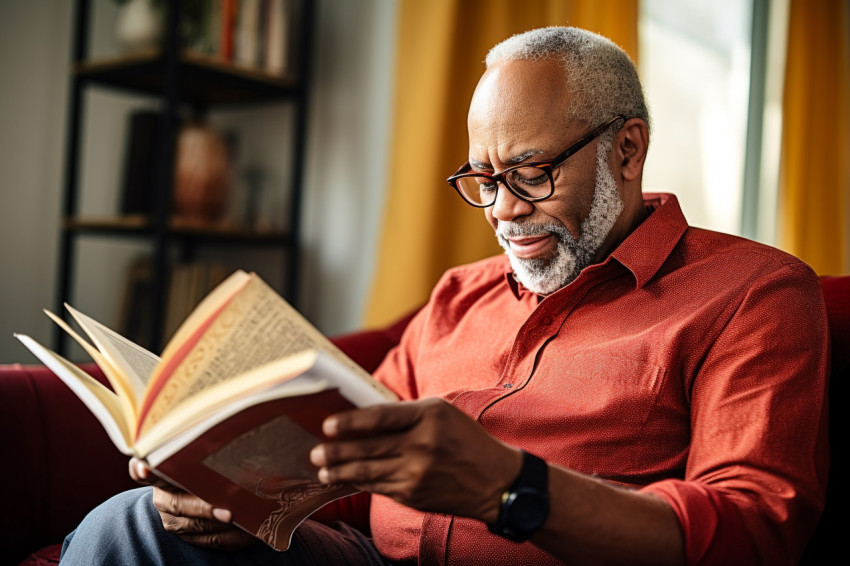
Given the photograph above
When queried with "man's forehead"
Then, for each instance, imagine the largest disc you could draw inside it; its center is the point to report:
(516, 135)
(515, 83)
(518, 108)
(515, 159)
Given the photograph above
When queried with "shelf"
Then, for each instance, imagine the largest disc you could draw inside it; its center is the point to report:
(142, 226)
(204, 79)
(177, 79)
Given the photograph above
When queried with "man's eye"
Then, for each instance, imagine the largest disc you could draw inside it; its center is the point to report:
(486, 185)
(530, 176)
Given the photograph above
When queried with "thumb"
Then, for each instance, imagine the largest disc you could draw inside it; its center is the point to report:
(141, 473)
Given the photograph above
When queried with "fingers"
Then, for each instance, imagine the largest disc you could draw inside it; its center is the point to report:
(362, 449)
(361, 463)
(377, 476)
(379, 444)
(182, 504)
(424, 454)
(366, 435)
(139, 471)
(374, 419)
(193, 526)
(379, 432)
(197, 522)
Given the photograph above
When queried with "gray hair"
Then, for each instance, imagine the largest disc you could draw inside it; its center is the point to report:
(601, 78)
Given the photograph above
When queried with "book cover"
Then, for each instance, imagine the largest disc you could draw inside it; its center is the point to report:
(231, 409)
(277, 39)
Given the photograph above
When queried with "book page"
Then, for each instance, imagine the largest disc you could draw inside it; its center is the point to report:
(120, 384)
(206, 308)
(256, 327)
(102, 402)
(282, 378)
(301, 374)
(134, 362)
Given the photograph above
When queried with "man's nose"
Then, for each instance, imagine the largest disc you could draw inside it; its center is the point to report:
(508, 206)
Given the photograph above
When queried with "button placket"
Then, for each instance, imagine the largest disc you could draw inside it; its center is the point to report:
(544, 324)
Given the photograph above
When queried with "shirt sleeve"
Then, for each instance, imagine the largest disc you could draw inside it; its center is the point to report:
(755, 481)
(397, 369)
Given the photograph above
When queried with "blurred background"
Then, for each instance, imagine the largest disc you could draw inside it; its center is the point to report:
(749, 100)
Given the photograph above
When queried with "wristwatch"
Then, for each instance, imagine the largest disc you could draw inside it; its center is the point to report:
(525, 505)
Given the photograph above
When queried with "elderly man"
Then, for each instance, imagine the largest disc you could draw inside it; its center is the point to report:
(619, 388)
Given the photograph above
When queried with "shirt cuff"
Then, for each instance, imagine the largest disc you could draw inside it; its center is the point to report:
(712, 526)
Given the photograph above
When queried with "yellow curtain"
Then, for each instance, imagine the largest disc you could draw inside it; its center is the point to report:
(441, 49)
(815, 180)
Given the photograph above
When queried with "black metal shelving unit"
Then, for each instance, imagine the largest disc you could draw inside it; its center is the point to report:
(179, 79)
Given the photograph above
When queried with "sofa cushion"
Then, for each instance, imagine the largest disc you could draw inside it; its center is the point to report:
(63, 460)
(44, 557)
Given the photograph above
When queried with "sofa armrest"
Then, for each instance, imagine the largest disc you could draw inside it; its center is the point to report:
(59, 463)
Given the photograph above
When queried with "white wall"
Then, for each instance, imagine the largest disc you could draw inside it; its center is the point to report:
(348, 149)
(348, 140)
(34, 38)
(695, 64)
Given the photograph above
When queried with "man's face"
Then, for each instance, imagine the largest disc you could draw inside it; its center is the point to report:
(518, 115)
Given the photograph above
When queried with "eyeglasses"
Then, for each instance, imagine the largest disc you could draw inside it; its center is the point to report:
(531, 182)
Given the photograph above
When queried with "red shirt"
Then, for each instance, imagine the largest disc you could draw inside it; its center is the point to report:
(689, 363)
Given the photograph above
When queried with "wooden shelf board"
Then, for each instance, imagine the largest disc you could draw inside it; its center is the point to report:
(139, 225)
(203, 78)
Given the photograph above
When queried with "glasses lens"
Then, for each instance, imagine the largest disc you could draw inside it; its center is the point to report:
(478, 190)
(528, 183)
(532, 183)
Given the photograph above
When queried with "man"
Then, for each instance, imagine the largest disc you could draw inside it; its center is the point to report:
(620, 388)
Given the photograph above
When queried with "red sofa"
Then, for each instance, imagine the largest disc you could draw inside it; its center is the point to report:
(58, 462)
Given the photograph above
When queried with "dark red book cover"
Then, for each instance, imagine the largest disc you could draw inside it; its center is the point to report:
(256, 464)
(228, 23)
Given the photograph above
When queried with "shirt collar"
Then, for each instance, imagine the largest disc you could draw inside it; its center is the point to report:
(646, 249)
(517, 288)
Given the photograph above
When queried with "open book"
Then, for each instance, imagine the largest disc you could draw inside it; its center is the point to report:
(231, 409)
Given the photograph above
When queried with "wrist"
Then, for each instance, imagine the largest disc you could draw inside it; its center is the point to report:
(524, 506)
(508, 472)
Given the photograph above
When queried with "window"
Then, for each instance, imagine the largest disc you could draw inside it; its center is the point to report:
(695, 65)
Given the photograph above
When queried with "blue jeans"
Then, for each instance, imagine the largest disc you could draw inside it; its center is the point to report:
(127, 529)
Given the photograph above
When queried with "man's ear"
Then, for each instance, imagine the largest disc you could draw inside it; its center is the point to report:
(632, 142)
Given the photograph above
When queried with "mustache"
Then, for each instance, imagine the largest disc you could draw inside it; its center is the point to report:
(509, 229)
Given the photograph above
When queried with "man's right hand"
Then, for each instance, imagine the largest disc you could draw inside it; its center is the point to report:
(192, 519)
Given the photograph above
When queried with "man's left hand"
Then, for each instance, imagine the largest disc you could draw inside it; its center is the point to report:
(424, 454)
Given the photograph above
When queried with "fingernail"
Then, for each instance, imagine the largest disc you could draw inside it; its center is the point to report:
(330, 426)
(323, 475)
(222, 515)
(141, 470)
(317, 456)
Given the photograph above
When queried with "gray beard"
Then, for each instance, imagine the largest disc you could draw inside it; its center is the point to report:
(545, 276)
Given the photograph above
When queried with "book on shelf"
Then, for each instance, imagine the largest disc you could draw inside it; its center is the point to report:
(246, 47)
(231, 409)
(188, 284)
(227, 15)
(275, 56)
(254, 34)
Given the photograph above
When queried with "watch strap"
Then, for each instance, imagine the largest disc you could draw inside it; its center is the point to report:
(525, 504)
(534, 473)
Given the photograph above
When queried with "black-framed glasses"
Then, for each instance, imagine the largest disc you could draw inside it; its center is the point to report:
(530, 182)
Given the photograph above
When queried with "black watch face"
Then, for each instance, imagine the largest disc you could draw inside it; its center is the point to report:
(528, 511)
